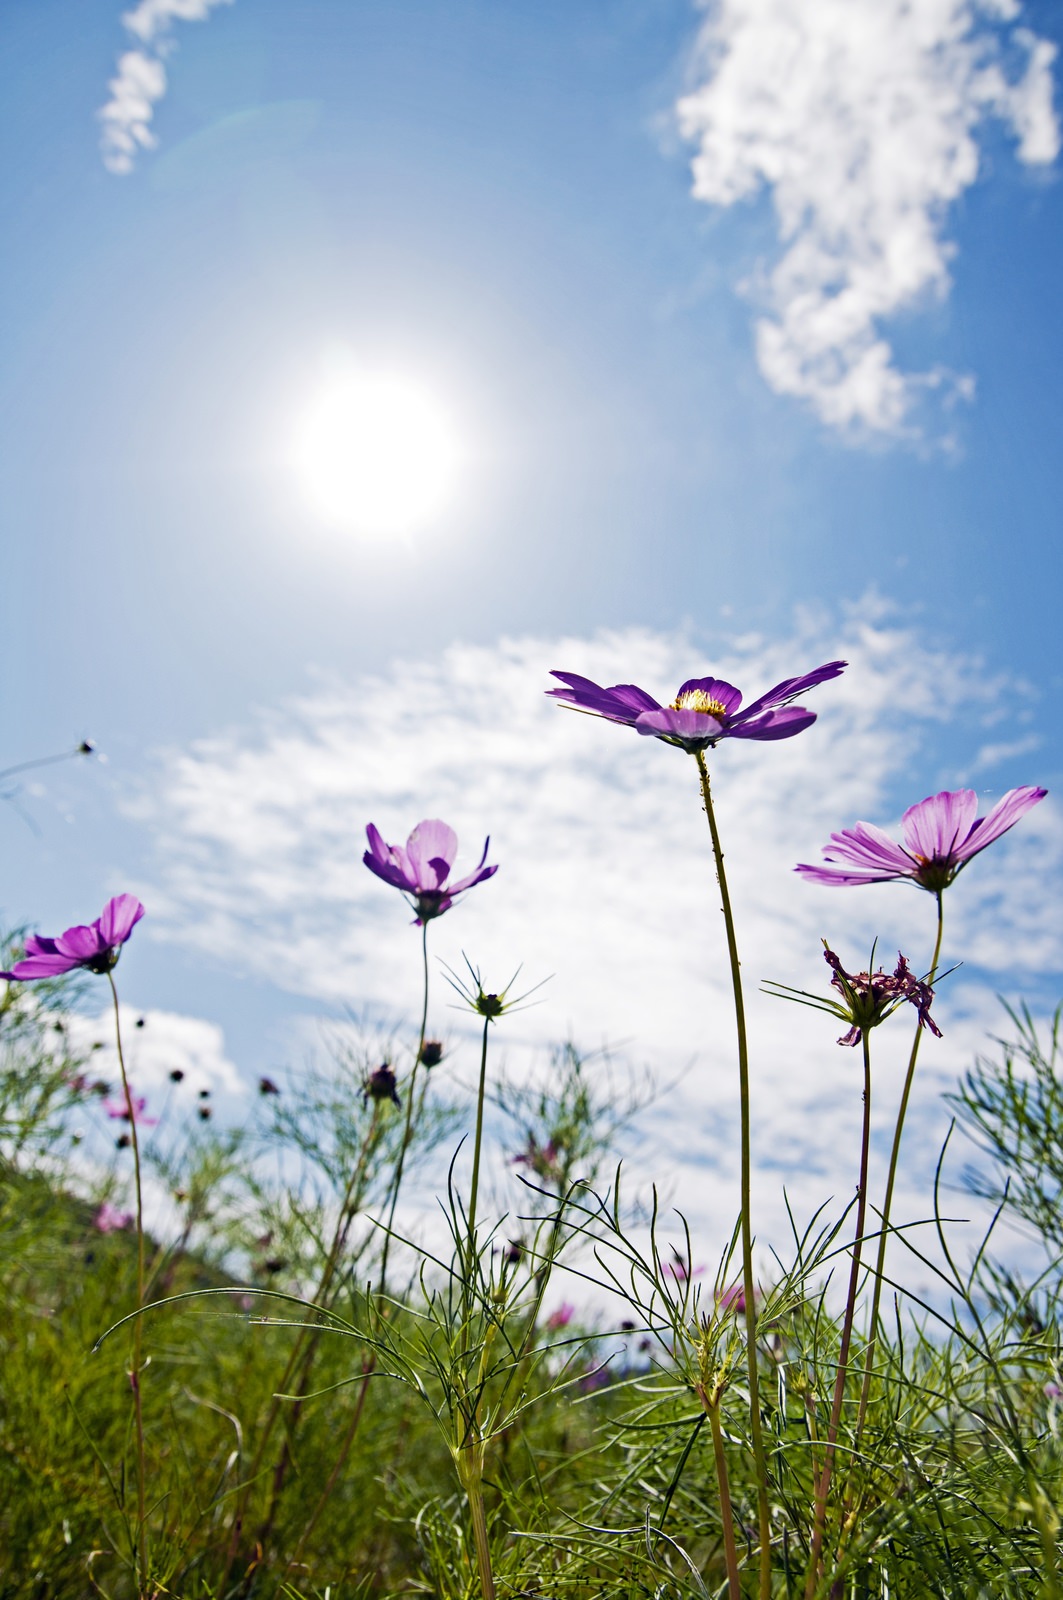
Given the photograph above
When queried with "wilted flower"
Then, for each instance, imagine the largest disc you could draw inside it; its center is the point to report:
(109, 1219)
(487, 1004)
(868, 998)
(941, 834)
(204, 1113)
(431, 1053)
(704, 711)
(422, 868)
(267, 1086)
(177, 1075)
(381, 1085)
(96, 947)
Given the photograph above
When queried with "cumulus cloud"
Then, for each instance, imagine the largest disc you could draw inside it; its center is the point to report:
(156, 1043)
(140, 81)
(861, 119)
(606, 879)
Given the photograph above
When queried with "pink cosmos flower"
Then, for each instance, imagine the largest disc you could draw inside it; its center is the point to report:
(109, 1219)
(561, 1317)
(96, 947)
(119, 1111)
(422, 868)
(941, 834)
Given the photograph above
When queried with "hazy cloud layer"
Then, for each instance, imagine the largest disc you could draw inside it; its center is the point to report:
(605, 875)
(140, 81)
(861, 119)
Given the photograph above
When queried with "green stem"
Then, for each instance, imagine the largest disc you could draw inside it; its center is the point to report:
(823, 1487)
(749, 1286)
(479, 1532)
(891, 1176)
(142, 1536)
(407, 1132)
(734, 1581)
(476, 1148)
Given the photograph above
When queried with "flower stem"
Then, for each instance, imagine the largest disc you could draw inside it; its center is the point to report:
(407, 1132)
(880, 1260)
(142, 1534)
(749, 1286)
(479, 1533)
(711, 1403)
(823, 1487)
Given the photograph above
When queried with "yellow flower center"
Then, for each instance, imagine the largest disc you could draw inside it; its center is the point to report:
(698, 700)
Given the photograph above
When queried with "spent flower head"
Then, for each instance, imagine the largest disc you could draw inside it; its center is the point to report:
(381, 1084)
(96, 948)
(704, 711)
(867, 998)
(488, 1004)
(421, 868)
(941, 834)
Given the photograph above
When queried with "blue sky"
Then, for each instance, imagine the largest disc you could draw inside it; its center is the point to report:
(499, 198)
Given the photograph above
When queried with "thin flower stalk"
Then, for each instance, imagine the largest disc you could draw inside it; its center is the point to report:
(748, 1281)
(891, 1177)
(819, 1515)
(134, 1376)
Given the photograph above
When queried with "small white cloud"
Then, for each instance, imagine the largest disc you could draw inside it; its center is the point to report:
(155, 1044)
(152, 18)
(991, 755)
(126, 118)
(140, 82)
(860, 117)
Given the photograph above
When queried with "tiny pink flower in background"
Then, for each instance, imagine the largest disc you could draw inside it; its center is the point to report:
(542, 1159)
(732, 1299)
(421, 868)
(941, 835)
(119, 1111)
(679, 1269)
(96, 948)
(561, 1317)
(109, 1219)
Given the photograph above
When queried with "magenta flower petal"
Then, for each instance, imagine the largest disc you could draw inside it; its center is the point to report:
(430, 852)
(941, 834)
(781, 724)
(704, 711)
(118, 918)
(40, 967)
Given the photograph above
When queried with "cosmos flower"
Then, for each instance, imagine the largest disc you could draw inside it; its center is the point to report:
(868, 998)
(422, 869)
(109, 1219)
(704, 711)
(561, 1317)
(96, 948)
(133, 1111)
(941, 834)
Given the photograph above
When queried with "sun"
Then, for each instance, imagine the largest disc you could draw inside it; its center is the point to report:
(377, 453)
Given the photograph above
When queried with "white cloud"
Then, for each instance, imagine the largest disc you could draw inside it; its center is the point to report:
(140, 82)
(861, 118)
(155, 1044)
(606, 880)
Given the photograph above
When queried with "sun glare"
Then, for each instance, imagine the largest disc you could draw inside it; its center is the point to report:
(377, 454)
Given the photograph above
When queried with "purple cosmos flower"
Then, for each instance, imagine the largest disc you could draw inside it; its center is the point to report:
(130, 1111)
(96, 948)
(421, 869)
(109, 1219)
(941, 834)
(704, 711)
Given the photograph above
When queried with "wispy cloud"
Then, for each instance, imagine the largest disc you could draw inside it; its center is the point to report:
(140, 81)
(861, 118)
(606, 878)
